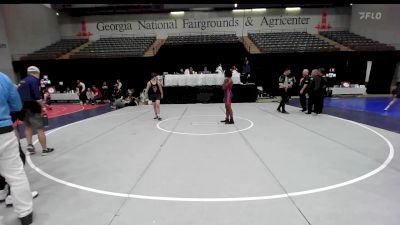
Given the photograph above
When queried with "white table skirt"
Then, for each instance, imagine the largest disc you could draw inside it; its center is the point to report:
(348, 91)
(64, 97)
(198, 79)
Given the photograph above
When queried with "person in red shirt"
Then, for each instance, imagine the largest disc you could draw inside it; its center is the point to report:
(97, 94)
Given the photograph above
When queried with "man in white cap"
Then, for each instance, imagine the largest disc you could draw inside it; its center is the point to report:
(33, 108)
(11, 166)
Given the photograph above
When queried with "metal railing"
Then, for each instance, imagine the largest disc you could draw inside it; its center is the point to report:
(276, 30)
(67, 37)
(202, 33)
(128, 35)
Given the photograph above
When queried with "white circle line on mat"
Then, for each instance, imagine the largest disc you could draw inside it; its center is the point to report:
(232, 199)
(204, 134)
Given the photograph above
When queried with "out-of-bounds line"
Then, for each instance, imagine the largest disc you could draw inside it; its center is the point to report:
(232, 199)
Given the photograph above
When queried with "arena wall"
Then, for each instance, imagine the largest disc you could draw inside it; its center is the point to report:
(377, 21)
(29, 27)
(5, 55)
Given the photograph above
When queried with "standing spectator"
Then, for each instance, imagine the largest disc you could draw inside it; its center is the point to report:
(104, 88)
(81, 91)
(324, 82)
(246, 70)
(315, 92)
(285, 85)
(11, 166)
(117, 92)
(119, 84)
(33, 108)
(45, 82)
(304, 81)
(47, 100)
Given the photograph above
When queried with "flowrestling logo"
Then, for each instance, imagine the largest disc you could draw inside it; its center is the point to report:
(370, 15)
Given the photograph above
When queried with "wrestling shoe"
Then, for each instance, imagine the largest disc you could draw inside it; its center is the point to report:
(31, 149)
(46, 151)
(26, 220)
(230, 122)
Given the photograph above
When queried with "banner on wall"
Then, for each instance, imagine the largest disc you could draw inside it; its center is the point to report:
(244, 24)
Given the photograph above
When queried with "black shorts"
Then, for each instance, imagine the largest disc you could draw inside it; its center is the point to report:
(155, 97)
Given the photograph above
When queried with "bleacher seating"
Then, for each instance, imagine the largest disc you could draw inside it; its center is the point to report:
(289, 42)
(55, 50)
(116, 47)
(356, 42)
(202, 39)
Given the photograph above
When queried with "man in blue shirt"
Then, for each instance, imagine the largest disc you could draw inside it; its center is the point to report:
(33, 109)
(11, 166)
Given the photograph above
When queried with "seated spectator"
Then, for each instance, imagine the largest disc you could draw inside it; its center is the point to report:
(143, 96)
(205, 71)
(90, 96)
(219, 69)
(97, 94)
(187, 72)
(129, 100)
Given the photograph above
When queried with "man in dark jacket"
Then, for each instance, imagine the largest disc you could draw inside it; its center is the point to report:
(324, 85)
(315, 91)
(304, 82)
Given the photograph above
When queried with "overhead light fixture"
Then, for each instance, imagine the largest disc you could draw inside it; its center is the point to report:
(293, 8)
(238, 10)
(351, 3)
(235, 5)
(57, 13)
(259, 10)
(175, 13)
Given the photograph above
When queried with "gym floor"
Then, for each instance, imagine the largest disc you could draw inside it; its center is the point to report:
(123, 167)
